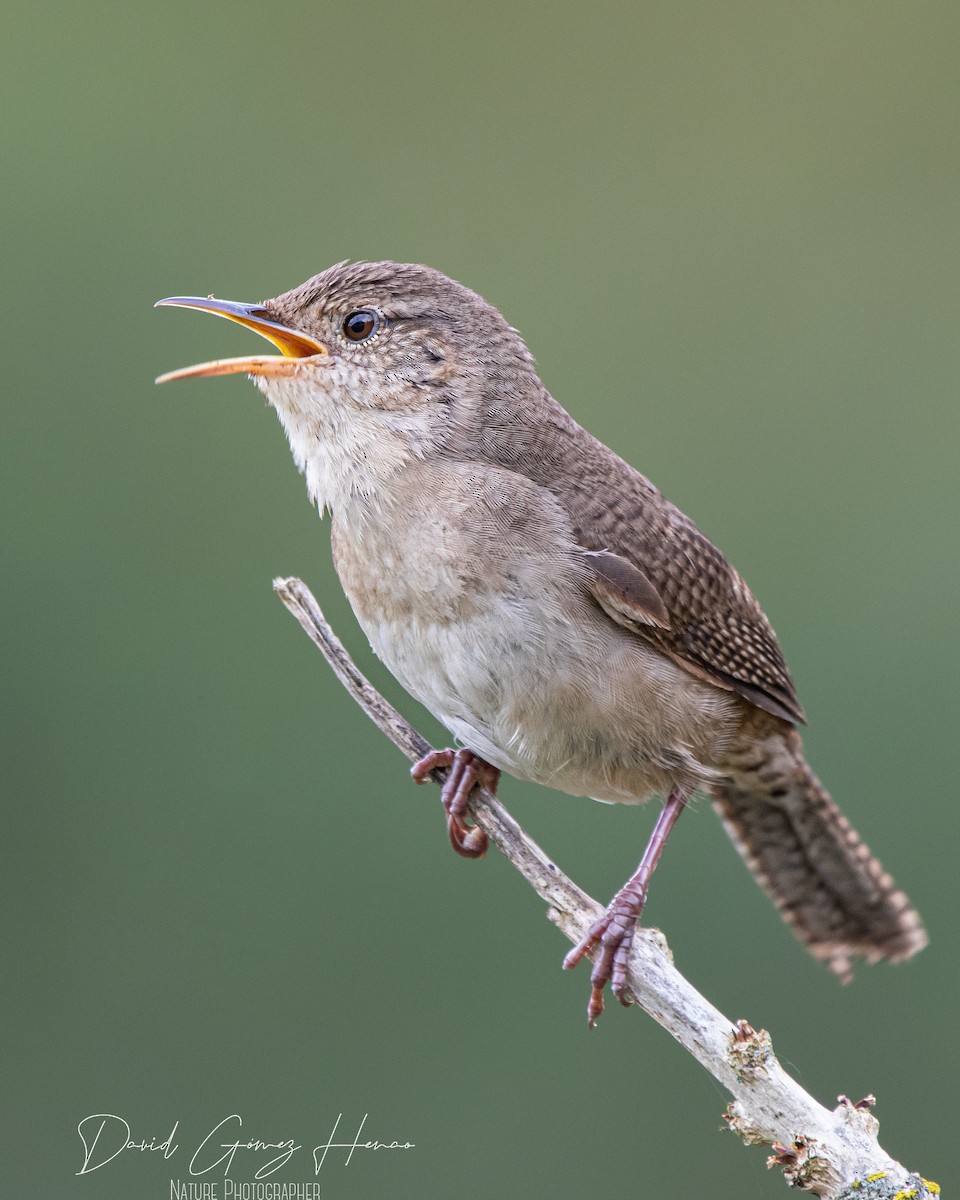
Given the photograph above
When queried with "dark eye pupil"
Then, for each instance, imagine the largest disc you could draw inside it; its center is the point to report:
(360, 325)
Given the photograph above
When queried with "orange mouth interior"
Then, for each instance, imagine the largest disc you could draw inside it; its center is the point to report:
(295, 346)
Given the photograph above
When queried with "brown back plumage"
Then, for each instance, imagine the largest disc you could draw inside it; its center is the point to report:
(716, 630)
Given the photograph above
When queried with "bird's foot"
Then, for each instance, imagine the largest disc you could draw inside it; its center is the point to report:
(612, 937)
(466, 771)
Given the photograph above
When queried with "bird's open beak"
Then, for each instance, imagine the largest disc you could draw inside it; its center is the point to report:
(293, 345)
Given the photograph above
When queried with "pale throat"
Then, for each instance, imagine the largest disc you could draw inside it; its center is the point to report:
(346, 452)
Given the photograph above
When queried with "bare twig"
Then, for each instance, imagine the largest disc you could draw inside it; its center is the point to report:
(833, 1154)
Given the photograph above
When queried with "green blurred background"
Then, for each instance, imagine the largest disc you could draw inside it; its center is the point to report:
(729, 233)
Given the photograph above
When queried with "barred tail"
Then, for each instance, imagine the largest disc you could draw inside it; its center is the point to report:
(808, 858)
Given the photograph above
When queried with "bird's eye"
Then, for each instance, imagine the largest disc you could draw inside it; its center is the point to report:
(360, 325)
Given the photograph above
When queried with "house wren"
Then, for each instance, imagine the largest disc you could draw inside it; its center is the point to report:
(558, 615)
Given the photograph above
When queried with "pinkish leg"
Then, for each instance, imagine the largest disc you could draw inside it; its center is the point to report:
(466, 771)
(613, 933)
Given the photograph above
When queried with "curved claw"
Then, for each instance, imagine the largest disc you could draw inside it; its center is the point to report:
(594, 1006)
(612, 934)
(466, 771)
(469, 841)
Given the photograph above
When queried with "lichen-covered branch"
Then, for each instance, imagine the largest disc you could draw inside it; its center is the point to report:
(833, 1154)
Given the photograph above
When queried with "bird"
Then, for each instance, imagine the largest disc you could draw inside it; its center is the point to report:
(560, 617)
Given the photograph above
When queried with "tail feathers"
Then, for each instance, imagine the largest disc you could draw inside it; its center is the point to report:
(809, 859)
